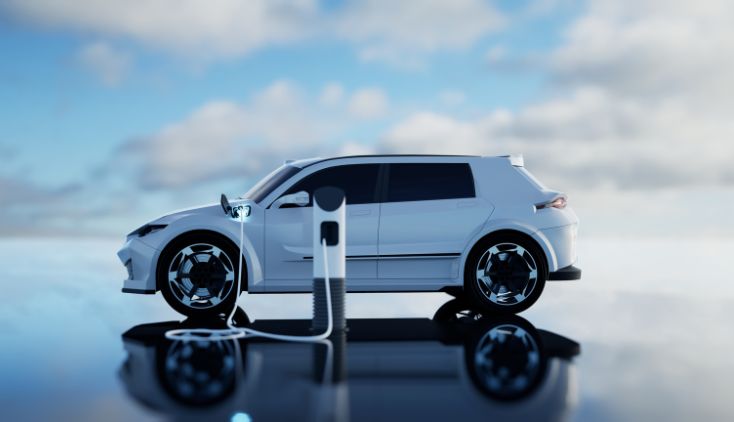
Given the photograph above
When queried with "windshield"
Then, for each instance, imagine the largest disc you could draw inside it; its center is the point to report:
(270, 182)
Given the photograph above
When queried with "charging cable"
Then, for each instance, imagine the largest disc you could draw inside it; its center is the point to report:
(232, 332)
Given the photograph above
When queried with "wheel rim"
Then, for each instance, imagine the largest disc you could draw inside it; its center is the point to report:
(201, 276)
(507, 360)
(506, 274)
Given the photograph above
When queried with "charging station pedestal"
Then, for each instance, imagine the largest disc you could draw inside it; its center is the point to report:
(329, 218)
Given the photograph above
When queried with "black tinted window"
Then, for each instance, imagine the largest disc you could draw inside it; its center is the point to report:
(421, 182)
(358, 181)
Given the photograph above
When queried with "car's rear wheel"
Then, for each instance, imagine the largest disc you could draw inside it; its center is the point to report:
(197, 274)
(505, 273)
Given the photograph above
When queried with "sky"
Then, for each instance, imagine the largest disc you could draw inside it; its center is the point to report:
(113, 113)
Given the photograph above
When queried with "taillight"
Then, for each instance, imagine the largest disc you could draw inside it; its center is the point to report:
(557, 202)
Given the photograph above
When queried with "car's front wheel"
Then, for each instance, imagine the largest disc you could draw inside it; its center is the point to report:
(505, 274)
(197, 274)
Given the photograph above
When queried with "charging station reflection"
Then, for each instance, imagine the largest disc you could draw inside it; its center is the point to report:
(458, 365)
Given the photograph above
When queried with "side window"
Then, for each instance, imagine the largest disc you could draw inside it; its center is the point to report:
(429, 181)
(359, 182)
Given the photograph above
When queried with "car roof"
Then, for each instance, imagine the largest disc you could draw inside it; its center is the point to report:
(311, 161)
(514, 159)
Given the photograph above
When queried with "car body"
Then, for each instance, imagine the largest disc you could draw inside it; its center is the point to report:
(413, 224)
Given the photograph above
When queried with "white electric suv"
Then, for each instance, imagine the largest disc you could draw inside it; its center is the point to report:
(480, 227)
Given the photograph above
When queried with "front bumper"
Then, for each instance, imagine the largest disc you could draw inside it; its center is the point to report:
(139, 260)
(565, 273)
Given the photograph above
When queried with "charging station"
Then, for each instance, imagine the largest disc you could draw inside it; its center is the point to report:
(329, 220)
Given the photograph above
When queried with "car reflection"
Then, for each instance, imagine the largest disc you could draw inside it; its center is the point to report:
(460, 365)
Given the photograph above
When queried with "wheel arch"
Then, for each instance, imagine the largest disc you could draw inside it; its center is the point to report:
(536, 237)
(223, 236)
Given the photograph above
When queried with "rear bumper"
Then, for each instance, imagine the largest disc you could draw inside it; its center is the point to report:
(562, 243)
(565, 273)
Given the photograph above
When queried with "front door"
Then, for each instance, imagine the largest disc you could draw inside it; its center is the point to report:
(289, 230)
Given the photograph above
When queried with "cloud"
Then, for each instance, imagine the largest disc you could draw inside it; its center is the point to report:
(368, 103)
(224, 138)
(332, 94)
(587, 140)
(29, 208)
(401, 32)
(106, 62)
(223, 28)
(639, 99)
(651, 49)
(395, 32)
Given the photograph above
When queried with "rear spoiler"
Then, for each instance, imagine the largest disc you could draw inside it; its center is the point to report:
(515, 159)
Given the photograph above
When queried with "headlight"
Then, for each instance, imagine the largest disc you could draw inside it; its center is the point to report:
(147, 229)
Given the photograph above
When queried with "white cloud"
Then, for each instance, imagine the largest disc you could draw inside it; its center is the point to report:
(368, 103)
(383, 30)
(427, 132)
(332, 94)
(586, 140)
(111, 65)
(223, 139)
(401, 32)
(219, 28)
(652, 49)
(640, 100)
(226, 138)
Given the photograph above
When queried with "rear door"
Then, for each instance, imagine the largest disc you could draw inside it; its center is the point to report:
(428, 214)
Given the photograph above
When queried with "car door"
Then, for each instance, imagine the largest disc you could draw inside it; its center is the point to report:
(428, 214)
(289, 230)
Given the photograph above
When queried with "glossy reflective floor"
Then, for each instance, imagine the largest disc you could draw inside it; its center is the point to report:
(648, 339)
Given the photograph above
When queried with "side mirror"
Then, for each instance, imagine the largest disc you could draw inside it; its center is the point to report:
(298, 199)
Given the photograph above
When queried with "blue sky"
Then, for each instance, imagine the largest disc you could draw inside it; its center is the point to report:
(114, 112)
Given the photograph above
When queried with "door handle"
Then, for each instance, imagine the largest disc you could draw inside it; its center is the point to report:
(356, 213)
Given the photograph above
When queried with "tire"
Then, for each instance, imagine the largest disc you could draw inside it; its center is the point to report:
(197, 274)
(505, 273)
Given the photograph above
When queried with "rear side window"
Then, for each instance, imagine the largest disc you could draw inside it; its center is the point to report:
(429, 181)
(359, 182)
